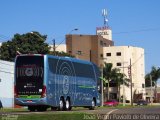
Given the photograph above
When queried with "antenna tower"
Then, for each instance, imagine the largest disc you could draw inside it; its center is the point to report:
(104, 14)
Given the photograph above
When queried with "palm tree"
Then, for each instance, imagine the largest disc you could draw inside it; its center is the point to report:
(148, 80)
(155, 74)
(109, 74)
(119, 80)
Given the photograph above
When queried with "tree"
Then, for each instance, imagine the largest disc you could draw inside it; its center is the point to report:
(148, 81)
(113, 75)
(29, 43)
(155, 75)
(120, 78)
(109, 74)
(57, 53)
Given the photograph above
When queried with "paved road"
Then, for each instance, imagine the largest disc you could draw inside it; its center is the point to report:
(137, 113)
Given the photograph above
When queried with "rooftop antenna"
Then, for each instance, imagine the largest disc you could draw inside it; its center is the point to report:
(104, 14)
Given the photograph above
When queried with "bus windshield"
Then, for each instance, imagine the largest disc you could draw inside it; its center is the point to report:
(29, 75)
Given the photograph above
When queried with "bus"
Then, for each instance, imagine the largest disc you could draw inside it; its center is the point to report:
(43, 81)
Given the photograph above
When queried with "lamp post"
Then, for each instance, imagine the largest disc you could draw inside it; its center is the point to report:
(64, 39)
(37, 35)
(54, 47)
(75, 29)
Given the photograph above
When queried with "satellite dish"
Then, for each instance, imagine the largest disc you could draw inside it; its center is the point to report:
(106, 20)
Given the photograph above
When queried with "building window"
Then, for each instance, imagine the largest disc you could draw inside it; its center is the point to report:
(79, 52)
(101, 43)
(118, 53)
(105, 44)
(119, 64)
(70, 52)
(108, 54)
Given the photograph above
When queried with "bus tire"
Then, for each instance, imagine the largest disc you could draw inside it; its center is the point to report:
(61, 105)
(41, 108)
(31, 108)
(93, 104)
(68, 104)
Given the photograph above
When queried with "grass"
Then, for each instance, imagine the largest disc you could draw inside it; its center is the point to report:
(73, 116)
(23, 114)
(68, 116)
(76, 114)
(13, 110)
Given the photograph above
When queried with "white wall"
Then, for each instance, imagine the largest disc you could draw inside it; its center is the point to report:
(60, 48)
(7, 83)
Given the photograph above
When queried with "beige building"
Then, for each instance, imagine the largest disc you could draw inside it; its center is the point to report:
(120, 57)
(87, 47)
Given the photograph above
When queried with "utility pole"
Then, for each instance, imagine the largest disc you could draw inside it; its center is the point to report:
(130, 67)
(54, 47)
(123, 88)
(102, 94)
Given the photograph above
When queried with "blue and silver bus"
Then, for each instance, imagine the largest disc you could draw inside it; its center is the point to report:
(43, 81)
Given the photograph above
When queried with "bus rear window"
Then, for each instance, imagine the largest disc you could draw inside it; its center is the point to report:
(29, 74)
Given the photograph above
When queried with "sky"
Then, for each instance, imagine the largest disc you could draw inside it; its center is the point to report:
(133, 22)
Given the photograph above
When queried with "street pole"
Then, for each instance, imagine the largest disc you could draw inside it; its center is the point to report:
(54, 47)
(151, 91)
(123, 88)
(131, 81)
(102, 97)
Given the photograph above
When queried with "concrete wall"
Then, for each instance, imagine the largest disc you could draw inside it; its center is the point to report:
(7, 83)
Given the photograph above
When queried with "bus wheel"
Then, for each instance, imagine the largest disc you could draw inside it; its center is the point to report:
(61, 104)
(41, 108)
(68, 104)
(31, 108)
(93, 105)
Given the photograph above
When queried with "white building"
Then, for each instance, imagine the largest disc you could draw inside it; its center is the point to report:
(120, 57)
(7, 83)
(60, 48)
(105, 32)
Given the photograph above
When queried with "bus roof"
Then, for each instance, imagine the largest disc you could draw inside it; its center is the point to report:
(59, 57)
(71, 59)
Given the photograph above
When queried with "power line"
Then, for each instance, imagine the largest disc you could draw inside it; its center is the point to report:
(4, 37)
(137, 31)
